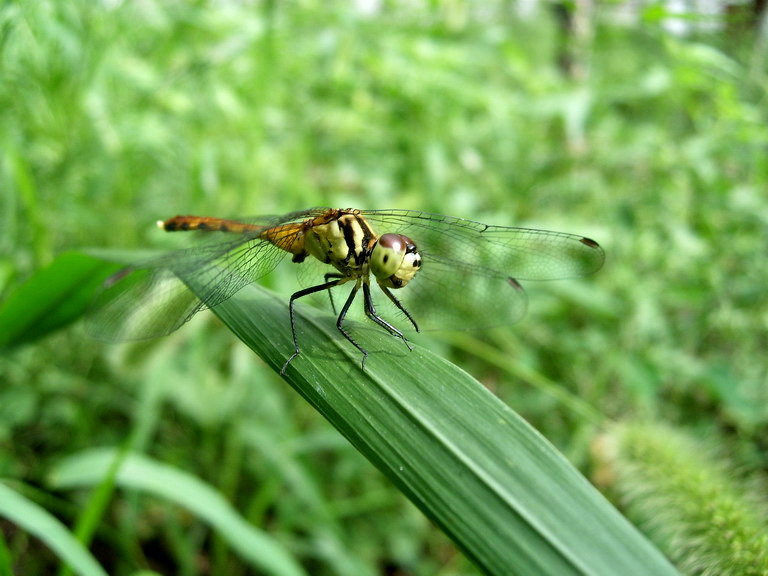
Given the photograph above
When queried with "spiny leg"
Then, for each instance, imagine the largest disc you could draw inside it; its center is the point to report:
(295, 296)
(400, 306)
(370, 311)
(327, 277)
(343, 314)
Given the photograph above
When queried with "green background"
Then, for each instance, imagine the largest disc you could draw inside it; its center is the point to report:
(114, 115)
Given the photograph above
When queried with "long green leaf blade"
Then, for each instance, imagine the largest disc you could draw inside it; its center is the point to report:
(498, 488)
(38, 521)
(51, 299)
(141, 473)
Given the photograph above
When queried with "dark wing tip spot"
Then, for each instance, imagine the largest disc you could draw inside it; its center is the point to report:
(515, 284)
(589, 242)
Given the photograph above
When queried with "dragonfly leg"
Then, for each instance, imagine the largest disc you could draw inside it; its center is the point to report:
(300, 294)
(370, 311)
(327, 277)
(400, 306)
(343, 315)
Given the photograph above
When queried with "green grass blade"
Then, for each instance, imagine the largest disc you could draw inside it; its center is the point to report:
(472, 465)
(141, 473)
(36, 520)
(6, 566)
(489, 480)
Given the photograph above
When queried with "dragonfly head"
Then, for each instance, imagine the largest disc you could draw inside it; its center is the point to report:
(394, 260)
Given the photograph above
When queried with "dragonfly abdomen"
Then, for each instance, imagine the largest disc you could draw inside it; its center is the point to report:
(205, 224)
(288, 237)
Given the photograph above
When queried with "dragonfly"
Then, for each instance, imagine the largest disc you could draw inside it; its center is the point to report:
(431, 271)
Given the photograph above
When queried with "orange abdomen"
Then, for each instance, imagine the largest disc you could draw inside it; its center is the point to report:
(206, 224)
(289, 237)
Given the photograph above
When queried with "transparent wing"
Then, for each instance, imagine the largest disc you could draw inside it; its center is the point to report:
(136, 304)
(153, 299)
(496, 251)
(470, 271)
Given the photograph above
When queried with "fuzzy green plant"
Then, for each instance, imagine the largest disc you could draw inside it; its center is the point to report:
(692, 503)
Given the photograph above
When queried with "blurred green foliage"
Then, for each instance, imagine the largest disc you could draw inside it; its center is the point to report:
(116, 114)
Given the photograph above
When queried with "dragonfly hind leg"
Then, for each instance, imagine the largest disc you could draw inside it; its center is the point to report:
(300, 294)
(327, 277)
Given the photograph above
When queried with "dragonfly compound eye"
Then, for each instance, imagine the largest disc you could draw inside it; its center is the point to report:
(394, 260)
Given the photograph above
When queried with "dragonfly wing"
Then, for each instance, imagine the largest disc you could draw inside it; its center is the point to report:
(217, 273)
(138, 304)
(470, 271)
(504, 252)
(156, 297)
(441, 298)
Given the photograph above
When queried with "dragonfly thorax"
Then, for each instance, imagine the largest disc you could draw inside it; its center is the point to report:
(394, 260)
(344, 243)
(351, 246)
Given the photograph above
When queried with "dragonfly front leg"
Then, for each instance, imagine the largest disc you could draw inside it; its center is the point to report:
(400, 306)
(370, 311)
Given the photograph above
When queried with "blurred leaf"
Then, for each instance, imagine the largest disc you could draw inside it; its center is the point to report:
(37, 521)
(141, 473)
(51, 299)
